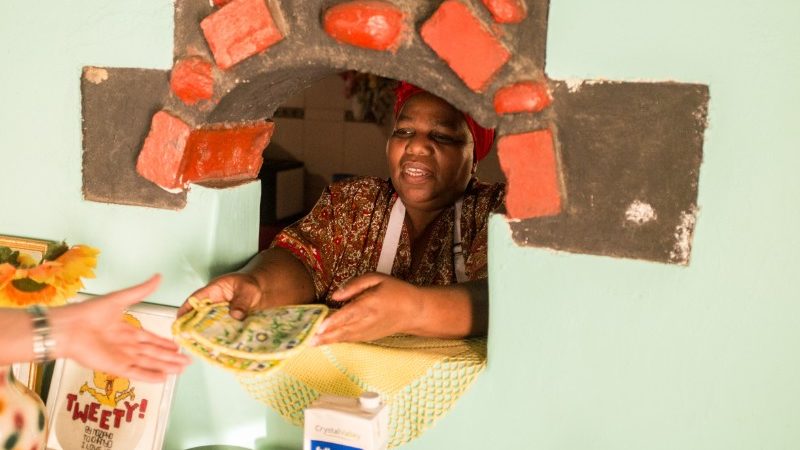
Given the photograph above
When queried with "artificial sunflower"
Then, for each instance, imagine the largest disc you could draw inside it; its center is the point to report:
(24, 281)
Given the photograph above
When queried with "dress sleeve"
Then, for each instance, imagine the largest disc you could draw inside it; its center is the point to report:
(311, 240)
(477, 263)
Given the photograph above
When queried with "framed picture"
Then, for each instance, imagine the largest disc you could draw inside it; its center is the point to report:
(29, 374)
(35, 248)
(95, 410)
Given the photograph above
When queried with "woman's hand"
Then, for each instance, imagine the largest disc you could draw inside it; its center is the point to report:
(272, 278)
(380, 305)
(241, 290)
(94, 334)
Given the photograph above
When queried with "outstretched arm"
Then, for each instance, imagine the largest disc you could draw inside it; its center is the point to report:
(381, 305)
(95, 334)
(274, 277)
(16, 336)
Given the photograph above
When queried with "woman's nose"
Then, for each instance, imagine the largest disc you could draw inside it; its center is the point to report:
(420, 144)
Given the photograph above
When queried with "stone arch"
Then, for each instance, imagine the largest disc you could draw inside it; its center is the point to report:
(595, 167)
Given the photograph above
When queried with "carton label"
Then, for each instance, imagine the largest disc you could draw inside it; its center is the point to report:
(323, 445)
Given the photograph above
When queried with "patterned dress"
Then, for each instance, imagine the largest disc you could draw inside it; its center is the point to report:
(343, 235)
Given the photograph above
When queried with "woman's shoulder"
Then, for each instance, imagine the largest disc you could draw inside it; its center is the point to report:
(483, 187)
(490, 194)
(361, 187)
(360, 183)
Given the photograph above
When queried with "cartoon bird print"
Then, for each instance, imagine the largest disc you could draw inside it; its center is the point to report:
(110, 389)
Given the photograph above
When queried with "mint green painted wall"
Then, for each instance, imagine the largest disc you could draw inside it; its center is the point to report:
(44, 47)
(585, 351)
(43, 52)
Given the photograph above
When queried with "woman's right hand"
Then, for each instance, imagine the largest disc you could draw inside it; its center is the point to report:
(274, 277)
(95, 334)
(241, 290)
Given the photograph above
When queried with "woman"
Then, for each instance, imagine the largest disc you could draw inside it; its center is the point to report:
(388, 252)
(94, 334)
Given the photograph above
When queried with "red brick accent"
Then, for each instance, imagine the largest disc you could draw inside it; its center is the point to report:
(459, 38)
(161, 157)
(191, 80)
(529, 162)
(506, 11)
(226, 152)
(239, 30)
(369, 24)
(174, 155)
(527, 96)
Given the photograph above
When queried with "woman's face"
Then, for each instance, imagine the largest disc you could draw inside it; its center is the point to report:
(430, 153)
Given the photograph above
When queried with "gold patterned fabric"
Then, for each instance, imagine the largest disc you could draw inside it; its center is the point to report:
(342, 236)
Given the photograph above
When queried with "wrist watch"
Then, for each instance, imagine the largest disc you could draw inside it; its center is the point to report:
(43, 342)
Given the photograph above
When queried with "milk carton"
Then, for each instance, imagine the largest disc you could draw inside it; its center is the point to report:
(346, 423)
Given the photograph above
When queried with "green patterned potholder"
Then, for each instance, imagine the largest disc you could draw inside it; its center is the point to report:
(259, 343)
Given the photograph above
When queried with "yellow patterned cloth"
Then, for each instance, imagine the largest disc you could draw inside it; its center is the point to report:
(257, 344)
(420, 379)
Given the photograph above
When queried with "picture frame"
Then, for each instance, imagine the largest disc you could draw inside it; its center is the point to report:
(29, 374)
(36, 248)
(94, 410)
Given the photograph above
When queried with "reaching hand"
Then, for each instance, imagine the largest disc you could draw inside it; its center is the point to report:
(380, 305)
(94, 334)
(272, 278)
(241, 290)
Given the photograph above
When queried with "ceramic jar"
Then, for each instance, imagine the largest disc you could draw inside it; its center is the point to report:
(22, 415)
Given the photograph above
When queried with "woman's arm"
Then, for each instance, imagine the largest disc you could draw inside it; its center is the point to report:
(95, 334)
(274, 277)
(457, 310)
(279, 276)
(16, 336)
(381, 305)
(282, 278)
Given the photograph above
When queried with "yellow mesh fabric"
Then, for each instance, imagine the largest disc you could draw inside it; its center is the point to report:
(419, 378)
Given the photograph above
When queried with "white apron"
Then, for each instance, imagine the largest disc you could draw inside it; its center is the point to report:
(392, 240)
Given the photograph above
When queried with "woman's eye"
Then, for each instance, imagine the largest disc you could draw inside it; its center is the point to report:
(444, 139)
(402, 132)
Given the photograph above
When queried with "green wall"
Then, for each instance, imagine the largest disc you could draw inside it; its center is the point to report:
(585, 351)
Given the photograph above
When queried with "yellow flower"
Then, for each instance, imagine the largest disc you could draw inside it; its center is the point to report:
(26, 260)
(12, 297)
(50, 283)
(7, 272)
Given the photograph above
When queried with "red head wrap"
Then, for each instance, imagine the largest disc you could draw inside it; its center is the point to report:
(483, 137)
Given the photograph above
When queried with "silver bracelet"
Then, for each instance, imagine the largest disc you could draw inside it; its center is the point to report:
(43, 342)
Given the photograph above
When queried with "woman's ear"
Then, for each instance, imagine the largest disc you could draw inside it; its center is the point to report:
(474, 161)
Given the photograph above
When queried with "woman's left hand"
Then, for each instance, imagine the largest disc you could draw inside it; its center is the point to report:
(380, 305)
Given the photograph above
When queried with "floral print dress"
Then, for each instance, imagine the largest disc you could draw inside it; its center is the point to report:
(343, 234)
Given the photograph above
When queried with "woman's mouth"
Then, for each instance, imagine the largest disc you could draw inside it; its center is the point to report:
(416, 173)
